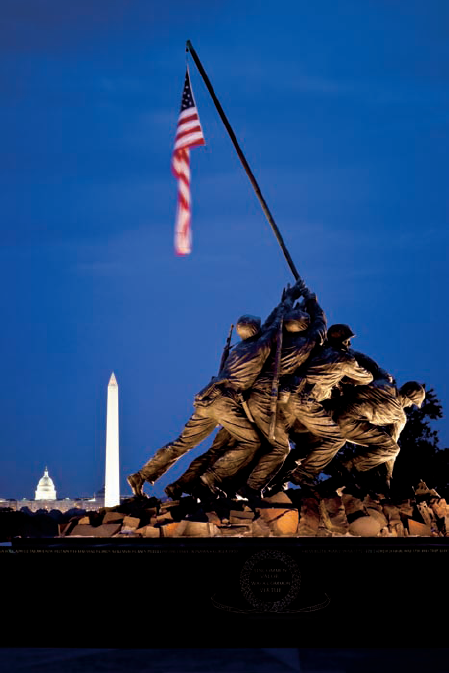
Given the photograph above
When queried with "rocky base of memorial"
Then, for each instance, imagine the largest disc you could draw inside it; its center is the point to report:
(290, 513)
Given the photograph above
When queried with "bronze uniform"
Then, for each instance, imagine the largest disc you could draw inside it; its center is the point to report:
(219, 404)
(373, 417)
(296, 349)
(315, 383)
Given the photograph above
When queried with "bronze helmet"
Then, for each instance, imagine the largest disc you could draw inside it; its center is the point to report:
(340, 332)
(413, 391)
(248, 326)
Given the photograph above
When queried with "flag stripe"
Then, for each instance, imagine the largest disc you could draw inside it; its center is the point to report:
(185, 129)
(191, 140)
(191, 117)
(187, 113)
(191, 127)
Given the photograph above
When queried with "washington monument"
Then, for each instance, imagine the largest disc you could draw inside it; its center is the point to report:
(112, 481)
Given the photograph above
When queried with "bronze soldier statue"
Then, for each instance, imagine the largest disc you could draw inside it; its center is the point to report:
(373, 416)
(303, 329)
(307, 393)
(320, 437)
(220, 402)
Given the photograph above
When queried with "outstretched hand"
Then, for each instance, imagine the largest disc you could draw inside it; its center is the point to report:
(296, 291)
(308, 294)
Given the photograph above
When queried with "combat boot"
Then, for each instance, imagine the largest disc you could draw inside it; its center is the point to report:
(203, 494)
(136, 481)
(209, 482)
(252, 495)
(174, 491)
(272, 489)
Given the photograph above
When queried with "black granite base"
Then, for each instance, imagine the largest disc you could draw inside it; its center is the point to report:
(271, 592)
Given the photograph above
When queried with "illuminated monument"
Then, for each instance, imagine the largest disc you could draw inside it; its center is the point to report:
(112, 482)
(46, 488)
(109, 496)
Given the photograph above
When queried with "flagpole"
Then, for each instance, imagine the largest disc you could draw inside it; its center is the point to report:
(266, 210)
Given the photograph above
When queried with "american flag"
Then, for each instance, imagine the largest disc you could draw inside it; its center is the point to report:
(188, 134)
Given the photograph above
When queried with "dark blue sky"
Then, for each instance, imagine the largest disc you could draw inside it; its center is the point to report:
(342, 111)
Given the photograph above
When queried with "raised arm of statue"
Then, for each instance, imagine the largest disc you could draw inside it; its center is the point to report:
(318, 323)
(371, 365)
(273, 318)
(289, 297)
(299, 289)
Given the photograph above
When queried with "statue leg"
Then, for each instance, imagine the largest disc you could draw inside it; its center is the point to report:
(187, 481)
(197, 428)
(272, 460)
(280, 480)
(381, 447)
(319, 422)
(240, 453)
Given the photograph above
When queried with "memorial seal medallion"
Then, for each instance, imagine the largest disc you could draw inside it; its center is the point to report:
(270, 580)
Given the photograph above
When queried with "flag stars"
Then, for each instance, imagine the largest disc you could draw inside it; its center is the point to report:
(187, 98)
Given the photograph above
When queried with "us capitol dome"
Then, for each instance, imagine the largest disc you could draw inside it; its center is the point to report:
(45, 488)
